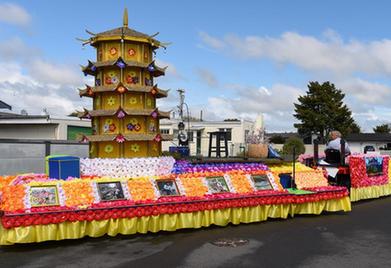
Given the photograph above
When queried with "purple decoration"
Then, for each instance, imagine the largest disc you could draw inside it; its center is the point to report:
(148, 82)
(130, 126)
(186, 167)
(93, 68)
(121, 114)
(121, 64)
(154, 114)
(151, 68)
(88, 116)
(97, 82)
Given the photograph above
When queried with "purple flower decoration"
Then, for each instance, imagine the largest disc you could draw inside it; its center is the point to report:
(121, 114)
(151, 68)
(154, 114)
(121, 64)
(130, 126)
(93, 68)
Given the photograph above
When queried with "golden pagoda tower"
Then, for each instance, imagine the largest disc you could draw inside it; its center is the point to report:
(125, 120)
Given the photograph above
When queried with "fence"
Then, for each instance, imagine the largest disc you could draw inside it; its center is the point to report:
(26, 156)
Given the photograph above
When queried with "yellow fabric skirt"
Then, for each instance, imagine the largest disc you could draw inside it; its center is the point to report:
(166, 222)
(376, 191)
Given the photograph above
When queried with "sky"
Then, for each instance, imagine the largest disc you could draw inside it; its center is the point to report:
(235, 59)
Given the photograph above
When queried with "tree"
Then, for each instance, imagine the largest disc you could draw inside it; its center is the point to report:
(354, 128)
(291, 143)
(385, 128)
(322, 110)
(277, 139)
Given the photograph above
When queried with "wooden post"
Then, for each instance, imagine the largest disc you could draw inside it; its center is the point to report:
(316, 152)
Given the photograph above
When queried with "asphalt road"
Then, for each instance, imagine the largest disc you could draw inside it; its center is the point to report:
(361, 238)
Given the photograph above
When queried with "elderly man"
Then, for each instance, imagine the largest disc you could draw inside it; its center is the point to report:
(335, 142)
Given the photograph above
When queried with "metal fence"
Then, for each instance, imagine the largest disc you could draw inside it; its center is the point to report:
(26, 156)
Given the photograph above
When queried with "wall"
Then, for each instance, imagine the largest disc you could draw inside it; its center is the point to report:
(27, 158)
(28, 131)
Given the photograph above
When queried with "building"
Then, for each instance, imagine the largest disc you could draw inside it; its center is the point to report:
(4, 105)
(42, 127)
(358, 141)
(198, 133)
(125, 119)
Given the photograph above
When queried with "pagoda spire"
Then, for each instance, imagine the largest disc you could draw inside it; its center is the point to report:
(125, 20)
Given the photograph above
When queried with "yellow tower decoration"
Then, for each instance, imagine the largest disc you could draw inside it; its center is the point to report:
(125, 120)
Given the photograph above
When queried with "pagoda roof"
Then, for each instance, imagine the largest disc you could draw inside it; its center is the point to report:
(128, 137)
(89, 91)
(92, 67)
(144, 112)
(123, 33)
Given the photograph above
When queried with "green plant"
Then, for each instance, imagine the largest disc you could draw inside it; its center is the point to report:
(293, 142)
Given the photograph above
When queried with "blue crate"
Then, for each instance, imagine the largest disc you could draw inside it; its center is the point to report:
(286, 180)
(182, 150)
(62, 167)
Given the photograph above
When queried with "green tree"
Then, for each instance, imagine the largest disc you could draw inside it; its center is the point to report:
(354, 128)
(321, 110)
(277, 139)
(385, 128)
(291, 143)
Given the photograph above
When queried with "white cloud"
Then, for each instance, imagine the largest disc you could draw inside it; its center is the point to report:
(251, 101)
(171, 71)
(327, 54)
(14, 48)
(14, 14)
(207, 77)
(211, 41)
(54, 73)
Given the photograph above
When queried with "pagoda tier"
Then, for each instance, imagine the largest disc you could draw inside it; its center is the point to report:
(122, 113)
(125, 120)
(93, 67)
(90, 91)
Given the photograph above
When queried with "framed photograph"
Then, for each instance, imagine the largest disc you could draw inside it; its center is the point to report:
(41, 196)
(110, 191)
(167, 187)
(217, 185)
(261, 182)
(374, 166)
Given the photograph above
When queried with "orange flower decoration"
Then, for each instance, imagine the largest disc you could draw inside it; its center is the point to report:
(193, 186)
(240, 182)
(12, 198)
(309, 179)
(141, 189)
(78, 193)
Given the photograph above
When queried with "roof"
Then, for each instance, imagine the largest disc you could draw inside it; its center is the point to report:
(4, 105)
(21, 116)
(92, 67)
(89, 91)
(128, 137)
(122, 33)
(283, 134)
(144, 112)
(374, 137)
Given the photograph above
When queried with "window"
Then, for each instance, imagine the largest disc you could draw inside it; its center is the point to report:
(246, 133)
(190, 135)
(229, 132)
(164, 131)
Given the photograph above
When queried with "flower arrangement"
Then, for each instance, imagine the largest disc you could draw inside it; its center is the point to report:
(142, 189)
(126, 167)
(309, 179)
(241, 182)
(79, 193)
(358, 172)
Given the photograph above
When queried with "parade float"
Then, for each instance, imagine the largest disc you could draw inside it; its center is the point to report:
(369, 175)
(126, 187)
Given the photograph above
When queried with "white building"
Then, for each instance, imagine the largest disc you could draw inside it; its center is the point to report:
(18, 126)
(198, 132)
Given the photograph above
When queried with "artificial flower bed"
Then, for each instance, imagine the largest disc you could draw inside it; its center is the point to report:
(35, 200)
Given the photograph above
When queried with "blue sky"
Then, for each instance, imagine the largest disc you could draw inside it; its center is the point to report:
(235, 59)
